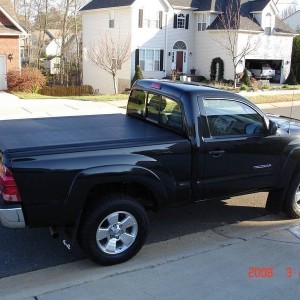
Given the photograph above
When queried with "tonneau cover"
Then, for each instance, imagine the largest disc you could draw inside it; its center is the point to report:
(77, 131)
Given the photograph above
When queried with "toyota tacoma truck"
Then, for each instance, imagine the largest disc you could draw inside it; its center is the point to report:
(93, 178)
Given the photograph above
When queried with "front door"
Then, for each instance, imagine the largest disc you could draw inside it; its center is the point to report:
(3, 85)
(237, 156)
(179, 61)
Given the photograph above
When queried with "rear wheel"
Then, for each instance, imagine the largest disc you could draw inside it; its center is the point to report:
(113, 229)
(292, 204)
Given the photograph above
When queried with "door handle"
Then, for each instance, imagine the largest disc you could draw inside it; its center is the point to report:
(216, 153)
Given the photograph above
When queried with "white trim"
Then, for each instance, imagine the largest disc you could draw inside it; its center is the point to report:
(14, 22)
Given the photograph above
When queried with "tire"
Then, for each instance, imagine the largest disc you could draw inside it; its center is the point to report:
(292, 203)
(113, 229)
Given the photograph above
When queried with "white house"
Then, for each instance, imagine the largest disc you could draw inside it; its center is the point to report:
(182, 35)
(293, 20)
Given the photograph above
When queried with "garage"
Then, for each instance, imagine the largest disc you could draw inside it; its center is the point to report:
(265, 69)
(2, 72)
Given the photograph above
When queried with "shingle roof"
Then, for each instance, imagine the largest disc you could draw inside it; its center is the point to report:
(9, 28)
(96, 4)
(247, 20)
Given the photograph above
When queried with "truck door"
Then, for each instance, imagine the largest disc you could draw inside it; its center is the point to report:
(239, 156)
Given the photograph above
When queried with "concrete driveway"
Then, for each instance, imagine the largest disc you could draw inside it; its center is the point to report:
(11, 107)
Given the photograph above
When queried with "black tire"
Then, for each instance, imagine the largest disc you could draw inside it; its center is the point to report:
(113, 229)
(292, 202)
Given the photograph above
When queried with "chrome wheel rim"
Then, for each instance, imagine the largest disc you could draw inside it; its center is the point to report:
(117, 232)
(297, 197)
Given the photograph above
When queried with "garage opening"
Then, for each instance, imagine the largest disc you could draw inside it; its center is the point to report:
(265, 69)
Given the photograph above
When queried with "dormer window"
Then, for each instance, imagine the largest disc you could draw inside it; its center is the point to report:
(268, 27)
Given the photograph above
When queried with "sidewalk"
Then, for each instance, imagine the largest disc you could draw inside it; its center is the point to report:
(257, 259)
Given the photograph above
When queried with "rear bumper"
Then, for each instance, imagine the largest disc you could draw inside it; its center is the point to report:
(12, 217)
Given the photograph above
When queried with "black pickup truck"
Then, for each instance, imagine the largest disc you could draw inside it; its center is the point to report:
(94, 177)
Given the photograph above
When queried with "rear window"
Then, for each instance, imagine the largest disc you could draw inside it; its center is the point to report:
(156, 109)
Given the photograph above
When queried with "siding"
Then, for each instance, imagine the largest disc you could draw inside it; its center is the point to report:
(95, 25)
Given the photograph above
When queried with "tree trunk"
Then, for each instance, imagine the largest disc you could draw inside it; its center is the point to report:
(115, 84)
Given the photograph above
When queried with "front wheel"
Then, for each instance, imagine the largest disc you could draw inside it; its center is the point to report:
(292, 204)
(113, 229)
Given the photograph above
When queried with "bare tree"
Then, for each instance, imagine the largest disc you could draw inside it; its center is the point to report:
(229, 33)
(110, 53)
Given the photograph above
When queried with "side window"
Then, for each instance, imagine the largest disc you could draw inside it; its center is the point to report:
(232, 118)
(164, 111)
(137, 103)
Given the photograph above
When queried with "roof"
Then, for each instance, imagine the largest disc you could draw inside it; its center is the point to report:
(98, 4)
(12, 27)
(247, 19)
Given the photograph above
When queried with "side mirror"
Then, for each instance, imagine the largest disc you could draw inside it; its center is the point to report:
(272, 128)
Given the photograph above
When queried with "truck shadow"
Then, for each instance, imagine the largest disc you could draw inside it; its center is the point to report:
(26, 250)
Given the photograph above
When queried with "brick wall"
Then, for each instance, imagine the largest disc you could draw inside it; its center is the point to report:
(10, 45)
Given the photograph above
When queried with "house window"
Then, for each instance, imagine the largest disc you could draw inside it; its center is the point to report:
(111, 19)
(149, 59)
(181, 21)
(268, 31)
(202, 21)
(150, 19)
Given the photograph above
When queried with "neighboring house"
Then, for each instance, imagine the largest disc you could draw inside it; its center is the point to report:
(182, 35)
(293, 20)
(11, 33)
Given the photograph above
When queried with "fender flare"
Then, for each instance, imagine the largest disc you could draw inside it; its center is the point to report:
(89, 178)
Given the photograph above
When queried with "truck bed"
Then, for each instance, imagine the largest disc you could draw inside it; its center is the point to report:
(59, 134)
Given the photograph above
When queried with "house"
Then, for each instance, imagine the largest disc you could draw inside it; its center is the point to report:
(293, 20)
(11, 33)
(183, 35)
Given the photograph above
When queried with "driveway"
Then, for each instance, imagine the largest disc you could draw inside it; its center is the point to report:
(11, 107)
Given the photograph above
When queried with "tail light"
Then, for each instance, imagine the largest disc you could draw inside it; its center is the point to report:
(8, 186)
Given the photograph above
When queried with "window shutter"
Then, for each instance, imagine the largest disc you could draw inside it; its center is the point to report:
(175, 21)
(160, 19)
(161, 60)
(137, 58)
(141, 13)
(187, 21)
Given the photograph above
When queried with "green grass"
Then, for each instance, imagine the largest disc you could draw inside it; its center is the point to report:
(25, 96)
(256, 99)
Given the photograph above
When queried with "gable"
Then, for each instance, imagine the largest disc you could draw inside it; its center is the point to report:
(8, 20)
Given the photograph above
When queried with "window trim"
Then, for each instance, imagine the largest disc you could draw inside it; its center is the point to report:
(181, 20)
(156, 61)
(202, 22)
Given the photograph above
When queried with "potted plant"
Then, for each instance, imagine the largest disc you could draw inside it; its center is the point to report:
(193, 71)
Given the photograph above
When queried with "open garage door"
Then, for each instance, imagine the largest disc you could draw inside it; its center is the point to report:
(265, 69)
(3, 85)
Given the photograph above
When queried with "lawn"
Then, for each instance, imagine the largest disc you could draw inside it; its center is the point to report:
(256, 99)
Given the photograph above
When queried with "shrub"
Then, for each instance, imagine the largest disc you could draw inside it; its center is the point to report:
(138, 74)
(265, 87)
(291, 80)
(245, 79)
(28, 80)
(244, 87)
